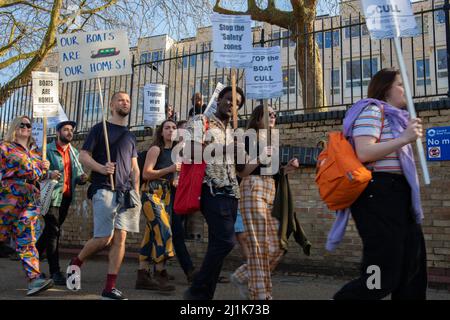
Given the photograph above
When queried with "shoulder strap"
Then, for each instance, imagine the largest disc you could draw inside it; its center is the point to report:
(382, 121)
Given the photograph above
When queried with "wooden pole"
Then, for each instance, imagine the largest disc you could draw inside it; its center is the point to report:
(411, 110)
(234, 98)
(44, 133)
(105, 131)
(266, 121)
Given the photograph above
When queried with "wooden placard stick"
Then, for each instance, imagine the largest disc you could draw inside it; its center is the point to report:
(105, 131)
(234, 98)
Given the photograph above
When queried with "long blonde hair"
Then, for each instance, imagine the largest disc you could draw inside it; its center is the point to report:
(11, 134)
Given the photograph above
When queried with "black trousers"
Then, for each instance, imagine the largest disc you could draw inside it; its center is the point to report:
(49, 241)
(392, 240)
(220, 215)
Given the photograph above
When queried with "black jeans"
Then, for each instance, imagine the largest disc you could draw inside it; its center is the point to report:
(220, 215)
(392, 240)
(182, 253)
(49, 241)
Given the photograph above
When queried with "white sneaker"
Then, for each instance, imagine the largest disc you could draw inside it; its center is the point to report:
(243, 288)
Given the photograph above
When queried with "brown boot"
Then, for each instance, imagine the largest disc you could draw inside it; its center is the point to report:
(144, 281)
(163, 281)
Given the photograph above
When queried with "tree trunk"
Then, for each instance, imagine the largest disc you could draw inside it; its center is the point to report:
(309, 67)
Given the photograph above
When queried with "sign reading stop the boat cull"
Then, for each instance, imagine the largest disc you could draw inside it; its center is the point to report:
(45, 94)
(96, 54)
(263, 80)
(232, 41)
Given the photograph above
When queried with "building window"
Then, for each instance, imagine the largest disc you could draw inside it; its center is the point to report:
(91, 104)
(335, 81)
(289, 81)
(441, 58)
(423, 29)
(148, 57)
(353, 72)
(423, 72)
(189, 61)
(439, 14)
(282, 39)
(353, 31)
(331, 38)
(202, 86)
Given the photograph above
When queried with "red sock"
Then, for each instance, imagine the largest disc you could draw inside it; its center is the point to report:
(110, 282)
(77, 262)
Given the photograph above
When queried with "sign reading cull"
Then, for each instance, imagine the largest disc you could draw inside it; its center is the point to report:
(96, 54)
(45, 94)
(263, 79)
(154, 104)
(60, 117)
(438, 144)
(389, 18)
(395, 19)
(232, 41)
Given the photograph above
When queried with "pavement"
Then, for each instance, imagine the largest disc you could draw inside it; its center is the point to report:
(301, 286)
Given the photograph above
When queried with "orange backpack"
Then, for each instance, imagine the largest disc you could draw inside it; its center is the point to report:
(340, 176)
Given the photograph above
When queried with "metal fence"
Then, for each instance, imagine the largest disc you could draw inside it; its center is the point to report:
(348, 59)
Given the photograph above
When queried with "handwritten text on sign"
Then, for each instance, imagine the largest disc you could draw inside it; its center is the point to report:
(154, 104)
(232, 41)
(389, 18)
(88, 55)
(263, 79)
(45, 94)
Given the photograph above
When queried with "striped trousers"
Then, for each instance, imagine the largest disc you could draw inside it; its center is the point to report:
(257, 196)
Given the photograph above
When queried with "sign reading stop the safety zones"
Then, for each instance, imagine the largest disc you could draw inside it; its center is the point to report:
(154, 104)
(438, 144)
(45, 94)
(389, 18)
(264, 79)
(96, 54)
(232, 41)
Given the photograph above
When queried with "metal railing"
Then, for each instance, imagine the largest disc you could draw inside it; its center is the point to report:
(348, 59)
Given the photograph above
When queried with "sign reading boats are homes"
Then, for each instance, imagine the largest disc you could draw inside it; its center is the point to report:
(389, 18)
(45, 94)
(96, 54)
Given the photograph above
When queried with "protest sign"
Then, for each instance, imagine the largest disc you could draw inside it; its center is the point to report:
(154, 104)
(212, 104)
(45, 94)
(37, 132)
(95, 54)
(389, 18)
(264, 80)
(232, 41)
(60, 117)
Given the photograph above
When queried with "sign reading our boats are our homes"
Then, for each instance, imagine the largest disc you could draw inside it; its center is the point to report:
(232, 41)
(96, 54)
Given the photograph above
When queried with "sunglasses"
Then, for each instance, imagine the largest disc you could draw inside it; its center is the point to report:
(272, 115)
(25, 125)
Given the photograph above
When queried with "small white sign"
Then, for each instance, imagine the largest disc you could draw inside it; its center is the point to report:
(264, 80)
(212, 105)
(37, 131)
(45, 94)
(96, 54)
(389, 18)
(154, 104)
(60, 117)
(232, 41)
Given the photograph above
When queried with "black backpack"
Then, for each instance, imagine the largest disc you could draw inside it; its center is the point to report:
(141, 161)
